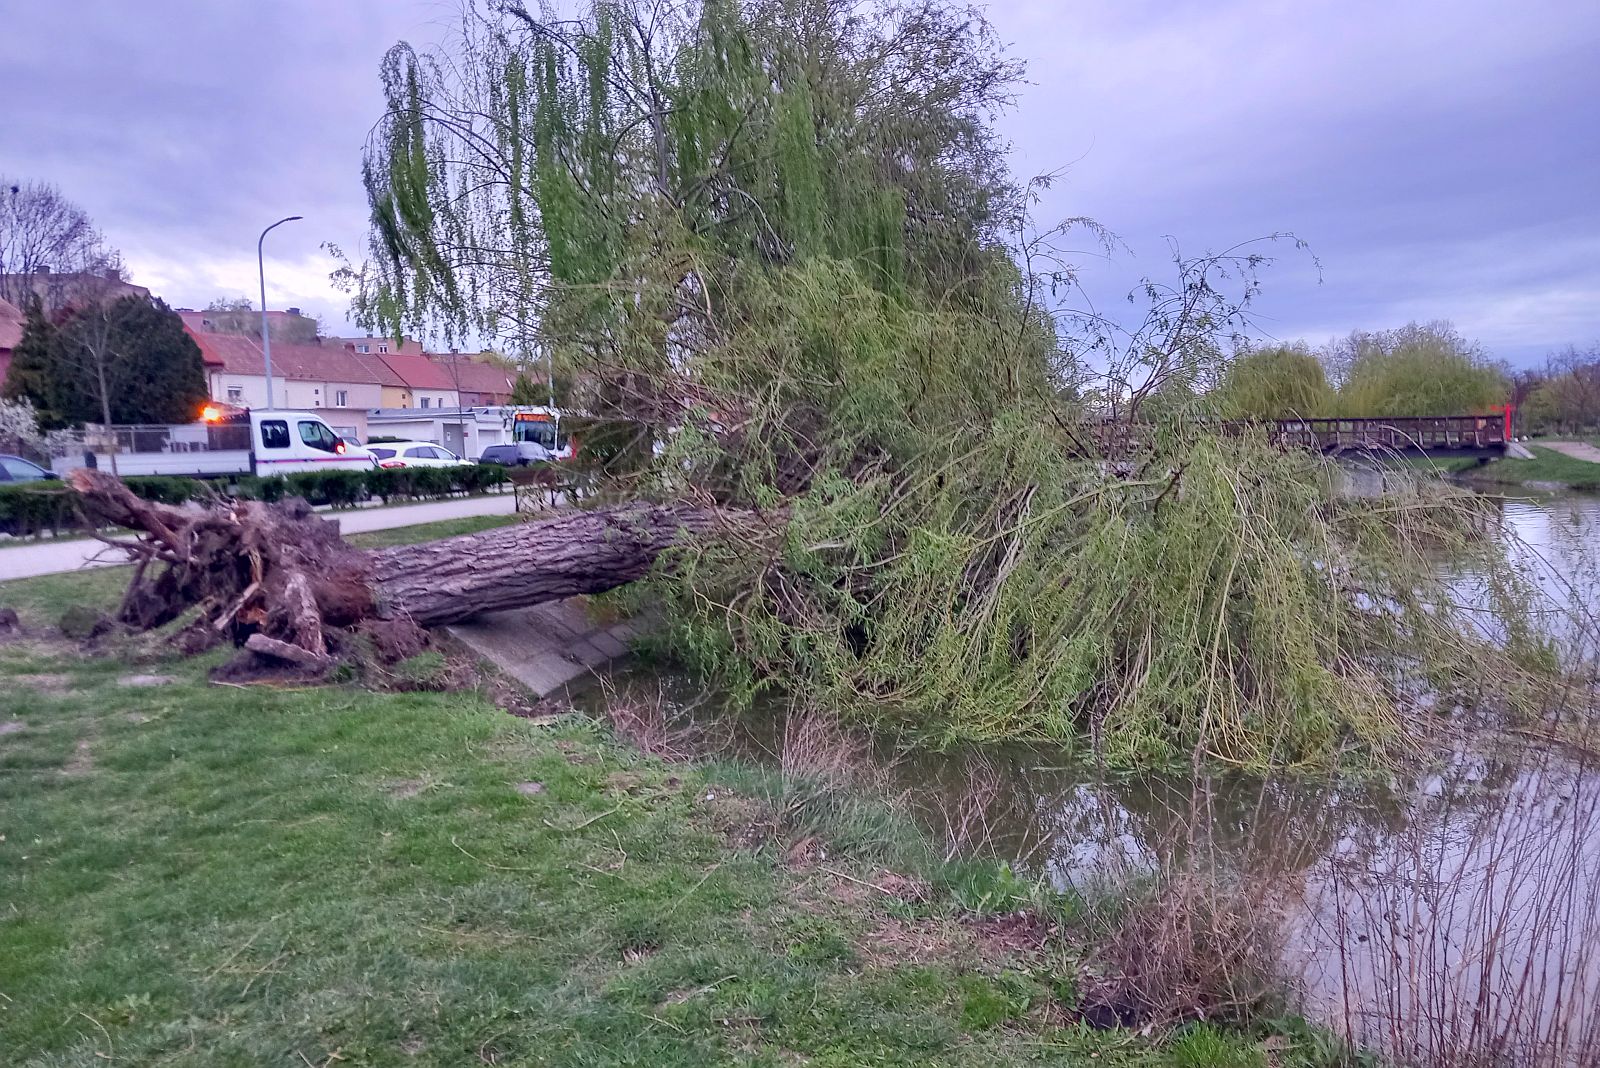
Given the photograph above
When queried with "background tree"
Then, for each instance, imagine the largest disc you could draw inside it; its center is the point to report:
(1417, 370)
(127, 360)
(1568, 399)
(524, 392)
(41, 230)
(30, 377)
(1280, 382)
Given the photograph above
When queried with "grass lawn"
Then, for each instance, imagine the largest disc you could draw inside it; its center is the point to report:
(1546, 466)
(202, 875)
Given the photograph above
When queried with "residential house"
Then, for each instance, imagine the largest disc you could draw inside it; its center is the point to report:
(11, 325)
(423, 383)
(336, 383)
(479, 380)
(57, 291)
(381, 346)
(290, 326)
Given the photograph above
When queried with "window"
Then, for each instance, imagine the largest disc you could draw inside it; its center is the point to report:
(383, 348)
(14, 469)
(341, 398)
(421, 452)
(363, 348)
(382, 454)
(425, 401)
(274, 434)
(235, 394)
(318, 436)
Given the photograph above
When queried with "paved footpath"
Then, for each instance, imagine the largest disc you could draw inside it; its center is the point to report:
(70, 554)
(1578, 450)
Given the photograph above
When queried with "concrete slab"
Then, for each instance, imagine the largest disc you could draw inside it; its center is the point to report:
(547, 648)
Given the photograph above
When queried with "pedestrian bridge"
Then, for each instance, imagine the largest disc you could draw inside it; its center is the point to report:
(1441, 436)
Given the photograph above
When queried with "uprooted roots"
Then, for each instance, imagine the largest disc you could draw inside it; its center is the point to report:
(273, 578)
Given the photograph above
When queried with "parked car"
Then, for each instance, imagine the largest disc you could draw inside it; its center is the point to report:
(16, 469)
(415, 454)
(516, 454)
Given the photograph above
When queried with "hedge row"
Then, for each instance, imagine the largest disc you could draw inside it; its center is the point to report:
(32, 509)
(343, 489)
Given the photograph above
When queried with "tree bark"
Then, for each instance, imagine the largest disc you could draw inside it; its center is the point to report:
(279, 580)
(438, 582)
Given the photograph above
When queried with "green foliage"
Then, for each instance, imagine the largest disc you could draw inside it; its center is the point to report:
(30, 510)
(796, 293)
(344, 489)
(1204, 1046)
(782, 130)
(1281, 382)
(524, 392)
(170, 489)
(1419, 370)
(130, 357)
(30, 374)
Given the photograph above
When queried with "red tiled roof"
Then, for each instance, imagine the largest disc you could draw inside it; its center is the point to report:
(475, 376)
(11, 323)
(236, 354)
(418, 372)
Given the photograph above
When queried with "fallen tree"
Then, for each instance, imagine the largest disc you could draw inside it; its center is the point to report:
(279, 580)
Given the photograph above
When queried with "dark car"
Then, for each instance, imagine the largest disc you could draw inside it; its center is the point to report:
(16, 469)
(518, 454)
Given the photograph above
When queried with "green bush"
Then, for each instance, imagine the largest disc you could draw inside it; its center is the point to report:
(428, 483)
(168, 489)
(256, 488)
(29, 510)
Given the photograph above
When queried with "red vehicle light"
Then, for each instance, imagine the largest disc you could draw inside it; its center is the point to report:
(391, 464)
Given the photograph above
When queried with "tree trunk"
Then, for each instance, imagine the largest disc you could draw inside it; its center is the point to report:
(529, 563)
(280, 581)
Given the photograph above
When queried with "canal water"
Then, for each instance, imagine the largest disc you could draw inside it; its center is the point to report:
(1454, 907)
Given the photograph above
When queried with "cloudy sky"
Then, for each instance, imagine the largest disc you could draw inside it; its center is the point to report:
(1442, 158)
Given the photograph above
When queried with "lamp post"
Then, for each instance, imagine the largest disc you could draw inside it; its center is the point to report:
(266, 335)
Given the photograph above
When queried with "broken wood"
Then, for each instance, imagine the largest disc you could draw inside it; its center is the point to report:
(278, 580)
(260, 643)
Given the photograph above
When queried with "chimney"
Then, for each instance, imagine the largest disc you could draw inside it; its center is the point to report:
(112, 274)
(294, 311)
(43, 268)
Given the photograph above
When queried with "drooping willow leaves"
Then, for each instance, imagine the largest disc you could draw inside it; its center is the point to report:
(775, 246)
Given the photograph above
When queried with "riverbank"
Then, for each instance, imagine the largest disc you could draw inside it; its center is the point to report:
(202, 875)
(1549, 469)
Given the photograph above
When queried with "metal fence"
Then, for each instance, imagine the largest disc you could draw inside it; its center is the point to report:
(103, 440)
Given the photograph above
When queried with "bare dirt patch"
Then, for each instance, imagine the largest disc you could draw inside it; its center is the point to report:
(1012, 935)
(891, 942)
(575, 754)
(745, 822)
(12, 726)
(529, 789)
(139, 681)
(403, 789)
(82, 760)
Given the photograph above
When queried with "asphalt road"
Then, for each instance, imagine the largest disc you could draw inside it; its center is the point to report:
(51, 557)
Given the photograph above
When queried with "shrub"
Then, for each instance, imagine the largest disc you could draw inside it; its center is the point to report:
(26, 510)
(168, 489)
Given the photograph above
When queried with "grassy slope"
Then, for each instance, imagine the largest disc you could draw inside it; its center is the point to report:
(1546, 466)
(193, 875)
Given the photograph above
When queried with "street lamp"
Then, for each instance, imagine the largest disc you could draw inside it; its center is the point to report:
(266, 336)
